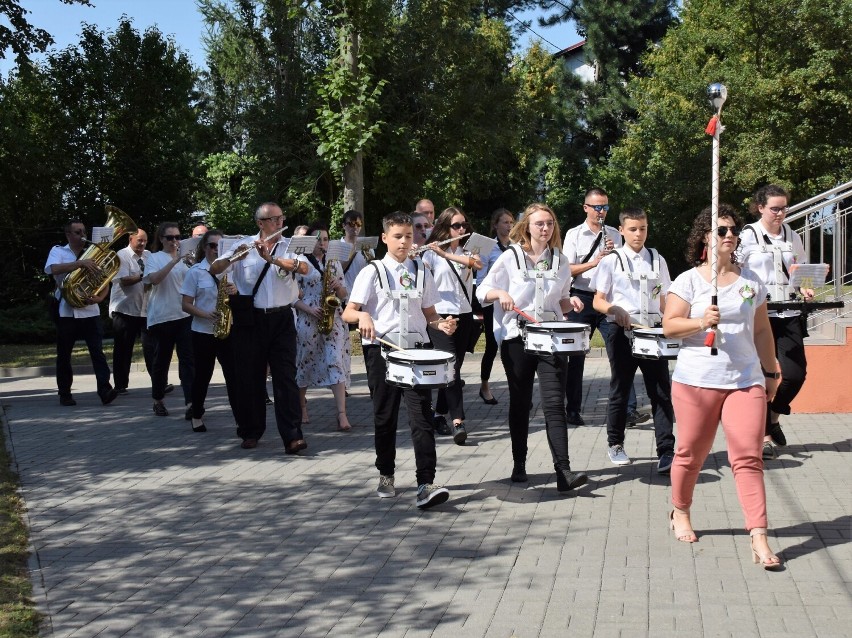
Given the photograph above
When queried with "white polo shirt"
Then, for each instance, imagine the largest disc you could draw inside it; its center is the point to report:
(278, 288)
(129, 300)
(578, 242)
(64, 255)
(612, 278)
(164, 299)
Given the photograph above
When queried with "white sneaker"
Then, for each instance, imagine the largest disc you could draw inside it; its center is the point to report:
(386, 488)
(618, 456)
(429, 495)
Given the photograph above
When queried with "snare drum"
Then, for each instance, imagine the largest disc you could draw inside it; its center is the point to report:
(557, 337)
(650, 343)
(420, 368)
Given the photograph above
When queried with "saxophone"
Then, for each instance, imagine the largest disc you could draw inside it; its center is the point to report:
(222, 327)
(330, 301)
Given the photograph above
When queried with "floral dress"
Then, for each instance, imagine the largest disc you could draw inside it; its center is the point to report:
(321, 360)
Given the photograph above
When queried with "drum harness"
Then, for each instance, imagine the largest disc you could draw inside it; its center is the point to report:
(777, 291)
(645, 280)
(539, 277)
(401, 296)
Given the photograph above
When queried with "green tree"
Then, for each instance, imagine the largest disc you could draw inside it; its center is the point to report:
(24, 38)
(788, 118)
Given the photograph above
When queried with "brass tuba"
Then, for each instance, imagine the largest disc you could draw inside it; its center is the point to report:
(222, 327)
(81, 284)
(330, 302)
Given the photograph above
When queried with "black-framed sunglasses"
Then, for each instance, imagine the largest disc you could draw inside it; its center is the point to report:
(722, 231)
(459, 225)
(213, 244)
(598, 207)
(354, 224)
(171, 237)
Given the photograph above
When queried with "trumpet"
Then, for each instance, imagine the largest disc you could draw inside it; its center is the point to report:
(440, 243)
(245, 249)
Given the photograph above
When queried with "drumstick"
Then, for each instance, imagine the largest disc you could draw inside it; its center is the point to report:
(524, 315)
(388, 343)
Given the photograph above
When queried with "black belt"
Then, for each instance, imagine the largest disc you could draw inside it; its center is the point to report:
(578, 291)
(269, 311)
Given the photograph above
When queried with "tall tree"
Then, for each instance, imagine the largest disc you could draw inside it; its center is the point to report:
(24, 38)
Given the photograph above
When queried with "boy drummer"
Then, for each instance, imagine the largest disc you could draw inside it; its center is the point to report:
(395, 300)
(630, 286)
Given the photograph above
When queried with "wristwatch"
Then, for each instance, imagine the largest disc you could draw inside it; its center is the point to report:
(771, 375)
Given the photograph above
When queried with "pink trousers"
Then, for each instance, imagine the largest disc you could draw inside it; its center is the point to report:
(743, 413)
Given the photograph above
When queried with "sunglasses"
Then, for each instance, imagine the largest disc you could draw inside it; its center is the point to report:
(422, 226)
(354, 224)
(171, 237)
(722, 231)
(459, 225)
(598, 207)
(213, 244)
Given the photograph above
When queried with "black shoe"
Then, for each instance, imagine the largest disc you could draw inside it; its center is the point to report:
(121, 390)
(441, 426)
(459, 434)
(664, 465)
(108, 396)
(574, 418)
(777, 434)
(187, 416)
(566, 480)
(519, 473)
(169, 388)
(491, 401)
(200, 428)
(67, 400)
(635, 417)
(160, 410)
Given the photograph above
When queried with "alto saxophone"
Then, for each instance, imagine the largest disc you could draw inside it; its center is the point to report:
(330, 301)
(222, 327)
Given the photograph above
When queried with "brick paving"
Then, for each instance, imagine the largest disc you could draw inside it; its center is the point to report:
(140, 527)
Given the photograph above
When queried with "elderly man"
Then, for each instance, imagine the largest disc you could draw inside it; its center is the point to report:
(77, 323)
(427, 208)
(199, 230)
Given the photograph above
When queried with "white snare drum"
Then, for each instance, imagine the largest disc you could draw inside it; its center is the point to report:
(420, 368)
(649, 343)
(557, 337)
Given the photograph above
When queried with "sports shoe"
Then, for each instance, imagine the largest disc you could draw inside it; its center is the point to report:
(566, 480)
(429, 495)
(459, 434)
(769, 451)
(636, 417)
(440, 424)
(385, 488)
(664, 465)
(777, 434)
(618, 456)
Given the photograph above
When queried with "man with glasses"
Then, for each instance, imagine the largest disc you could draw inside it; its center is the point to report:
(127, 307)
(266, 334)
(422, 228)
(77, 323)
(353, 222)
(585, 245)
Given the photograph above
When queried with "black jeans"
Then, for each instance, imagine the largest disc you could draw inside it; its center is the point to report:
(577, 364)
(451, 399)
(788, 333)
(552, 370)
(386, 400)
(167, 337)
(271, 341)
(206, 350)
(126, 328)
(490, 343)
(622, 366)
(68, 331)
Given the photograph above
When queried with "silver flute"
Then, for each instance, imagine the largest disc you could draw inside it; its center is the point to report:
(426, 247)
(245, 249)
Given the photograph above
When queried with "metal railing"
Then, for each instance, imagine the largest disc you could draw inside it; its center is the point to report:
(822, 223)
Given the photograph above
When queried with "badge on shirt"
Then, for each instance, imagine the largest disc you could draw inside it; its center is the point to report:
(542, 265)
(406, 280)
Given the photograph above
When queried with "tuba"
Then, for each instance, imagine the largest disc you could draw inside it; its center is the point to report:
(81, 284)
(222, 327)
(330, 301)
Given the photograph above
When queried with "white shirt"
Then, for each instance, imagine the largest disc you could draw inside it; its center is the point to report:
(489, 261)
(736, 365)
(64, 255)
(129, 300)
(505, 275)
(762, 262)
(367, 293)
(199, 283)
(164, 300)
(454, 294)
(355, 266)
(278, 288)
(612, 278)
(578, 243)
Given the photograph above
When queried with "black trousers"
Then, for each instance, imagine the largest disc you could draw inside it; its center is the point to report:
(451, 399)
(167, 337)
(552, 372)
(577, 364)
(622, 366)
(490, 343)
(126, 329)
(270, 341)
(788, 333)
(206, 350)
(386, 400)
(68, 331)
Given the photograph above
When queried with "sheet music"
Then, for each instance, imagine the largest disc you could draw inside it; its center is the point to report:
(480, 245)
(188, 246)
(101, 234)
(366, 242)
(227, 242)
(301, 245)
(808, 275)
(338, 250)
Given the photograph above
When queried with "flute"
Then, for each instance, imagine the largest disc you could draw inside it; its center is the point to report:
(440, 243)
(245, 249)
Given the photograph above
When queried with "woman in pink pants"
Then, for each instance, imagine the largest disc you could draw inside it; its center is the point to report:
(732, 386)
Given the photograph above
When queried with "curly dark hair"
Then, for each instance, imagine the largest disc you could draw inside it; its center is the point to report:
(703, 224)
